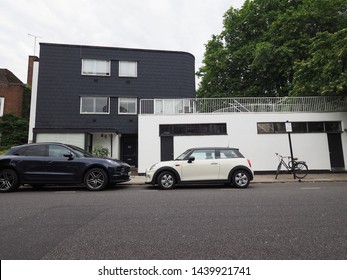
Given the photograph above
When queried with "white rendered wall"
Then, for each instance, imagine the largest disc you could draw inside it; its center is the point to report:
(33, 101)
(242, 134)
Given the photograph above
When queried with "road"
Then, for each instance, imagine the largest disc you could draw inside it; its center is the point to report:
(265, 221)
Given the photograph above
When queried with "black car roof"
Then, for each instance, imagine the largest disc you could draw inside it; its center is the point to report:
(38, 143)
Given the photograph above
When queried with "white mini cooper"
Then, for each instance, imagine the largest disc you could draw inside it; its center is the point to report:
(202, 165)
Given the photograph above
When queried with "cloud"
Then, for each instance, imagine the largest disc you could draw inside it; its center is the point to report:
(180, 25)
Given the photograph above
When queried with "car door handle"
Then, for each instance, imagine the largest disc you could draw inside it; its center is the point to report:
(214, 163)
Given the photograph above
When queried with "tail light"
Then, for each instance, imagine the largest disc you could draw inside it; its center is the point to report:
(249, 163)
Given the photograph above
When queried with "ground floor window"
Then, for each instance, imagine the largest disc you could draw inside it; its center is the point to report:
(299, 127)
(193, 129)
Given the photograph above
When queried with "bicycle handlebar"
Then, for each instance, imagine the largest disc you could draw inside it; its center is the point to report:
(289, 157)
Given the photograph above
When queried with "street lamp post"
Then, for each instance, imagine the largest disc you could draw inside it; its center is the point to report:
(289, 130)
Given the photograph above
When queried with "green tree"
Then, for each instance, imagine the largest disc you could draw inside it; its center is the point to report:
(13, 131)
(26, 101)
(262, 45)
(324, 72)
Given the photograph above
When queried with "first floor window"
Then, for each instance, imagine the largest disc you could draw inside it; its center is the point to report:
(96, 67)
(128, 69)
(95, 105)
(127, 106)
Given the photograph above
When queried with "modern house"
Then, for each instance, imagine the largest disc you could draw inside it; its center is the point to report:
(257, 126)
(11, 94)
(141, 105)
(89, 96)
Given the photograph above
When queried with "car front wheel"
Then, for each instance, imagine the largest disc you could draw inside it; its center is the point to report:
(240, 179)
(8, 180)
(166, 180)
(95, 179)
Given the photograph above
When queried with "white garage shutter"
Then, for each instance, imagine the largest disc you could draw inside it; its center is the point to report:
(76, 139)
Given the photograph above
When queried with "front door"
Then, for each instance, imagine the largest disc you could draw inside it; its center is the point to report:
(337, 161)
(166, 148)
(129, 149)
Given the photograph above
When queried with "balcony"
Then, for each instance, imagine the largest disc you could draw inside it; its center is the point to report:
(243, 105)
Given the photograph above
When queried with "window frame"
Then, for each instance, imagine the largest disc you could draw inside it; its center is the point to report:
(127, 75)
(95, 73)
(127, 112)
(94, 105)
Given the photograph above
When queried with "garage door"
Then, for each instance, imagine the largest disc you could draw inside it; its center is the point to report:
(76, 139)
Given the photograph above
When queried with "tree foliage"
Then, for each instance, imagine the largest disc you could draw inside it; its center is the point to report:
(13, 130)
(26, 101)
(278, 48)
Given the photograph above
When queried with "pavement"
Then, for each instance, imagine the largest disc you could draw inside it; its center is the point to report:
(282, 178)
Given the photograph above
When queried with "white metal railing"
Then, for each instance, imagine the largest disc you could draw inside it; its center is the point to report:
(243, 104)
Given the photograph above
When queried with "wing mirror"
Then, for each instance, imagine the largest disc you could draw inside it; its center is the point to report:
(70, 156)
(191, 159)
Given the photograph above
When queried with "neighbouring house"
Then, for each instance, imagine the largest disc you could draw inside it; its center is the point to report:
(11, 94)
(255, 125)
(90, 96)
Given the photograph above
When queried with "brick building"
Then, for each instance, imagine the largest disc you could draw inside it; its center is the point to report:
(11, 94)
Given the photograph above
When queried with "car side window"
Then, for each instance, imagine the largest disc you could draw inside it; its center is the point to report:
(57, 151)
(34, 151)
(228, 154)
(203, 154)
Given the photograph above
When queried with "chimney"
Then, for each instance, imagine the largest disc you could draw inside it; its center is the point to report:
(32, 58)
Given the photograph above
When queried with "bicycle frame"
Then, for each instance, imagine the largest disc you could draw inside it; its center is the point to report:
(293, 166)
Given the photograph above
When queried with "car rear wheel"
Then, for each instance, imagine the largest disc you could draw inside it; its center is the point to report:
(166, 180)
(95, 179)
(8, 180)
(240, 179)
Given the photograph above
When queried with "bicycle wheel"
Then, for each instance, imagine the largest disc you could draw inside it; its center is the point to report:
(300, 170)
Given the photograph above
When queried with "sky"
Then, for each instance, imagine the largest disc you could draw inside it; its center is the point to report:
(178, 25)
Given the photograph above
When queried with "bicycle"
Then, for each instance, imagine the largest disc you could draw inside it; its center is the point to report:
(299, 171)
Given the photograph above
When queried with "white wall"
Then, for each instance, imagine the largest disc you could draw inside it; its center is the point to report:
(33, 101)
(242, 134)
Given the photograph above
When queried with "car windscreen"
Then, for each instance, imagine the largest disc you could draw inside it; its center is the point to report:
(182, 156)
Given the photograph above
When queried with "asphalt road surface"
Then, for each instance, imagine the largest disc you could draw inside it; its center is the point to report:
(265, 221)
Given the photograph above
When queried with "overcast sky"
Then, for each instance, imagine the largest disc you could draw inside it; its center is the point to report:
(179, 25)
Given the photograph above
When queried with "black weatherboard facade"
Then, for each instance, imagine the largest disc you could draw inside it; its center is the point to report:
(63, 87)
